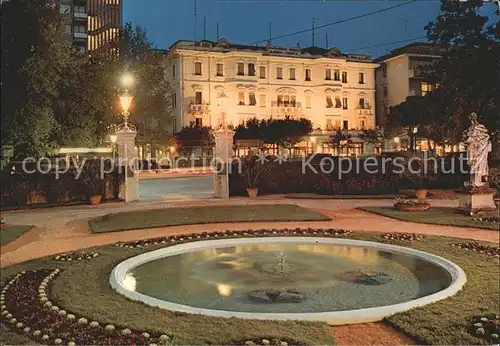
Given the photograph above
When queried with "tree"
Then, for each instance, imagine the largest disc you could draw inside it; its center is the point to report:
(34, 55)
(153, 101)
(285, 132)
(289, 131)
(338, 140)
(468, 72)
(195, 136)
(372, 136)
(406, 117)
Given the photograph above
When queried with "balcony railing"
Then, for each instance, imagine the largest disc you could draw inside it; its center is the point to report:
(80, 35)
(80, 15)
(198, 108)
(364, 106)
(286, 108)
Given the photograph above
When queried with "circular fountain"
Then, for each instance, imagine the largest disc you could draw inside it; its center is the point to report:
(339, 281)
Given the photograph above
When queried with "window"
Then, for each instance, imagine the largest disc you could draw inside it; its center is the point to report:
(280, 100)
(262, 72)
(279, 73)
(80, 29)
(308, 75)
(384, 70)
(251, 70)
(80, 9)
(220, 70)
(241, 69)
(337, 124)
(329, 102)
(241, 98)
(344, 77)
(251, 97)
(344, 102)
(262, 100)
(328, 74)
(363, 125)
(198, 98)
(174, 100)
(345, 125)
(338, 103)
(425, 88)
(362, 103)
(329, 125)
(292, 73)
(199, 122)
(385, 91)
(361, 78)
(64, 9)
(197, 68)
(173, 71)
(308, 101)
(336, 75)
(293, 101)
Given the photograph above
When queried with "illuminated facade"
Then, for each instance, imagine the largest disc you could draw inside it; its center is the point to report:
(104, 24)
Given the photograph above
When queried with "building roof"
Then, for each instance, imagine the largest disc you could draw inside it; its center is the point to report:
(420, 48)
(225, 46)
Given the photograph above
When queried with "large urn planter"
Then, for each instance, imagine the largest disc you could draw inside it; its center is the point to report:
(95, 200)
(412, 207)
(421, 194)
(252, 192)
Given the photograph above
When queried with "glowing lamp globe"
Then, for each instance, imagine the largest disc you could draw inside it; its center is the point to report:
(126, 101)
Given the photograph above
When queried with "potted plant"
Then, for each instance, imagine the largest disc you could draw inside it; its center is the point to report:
(494, 179)
(420, 178)
(405, 204)
(93, 180)
(252, 168)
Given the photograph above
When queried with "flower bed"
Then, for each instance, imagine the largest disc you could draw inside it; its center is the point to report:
(402, 236)
(174, 239)
(25, 305)
(481, 248)
(486, 327)
(77, 256)
(268, 342)
(487, 219)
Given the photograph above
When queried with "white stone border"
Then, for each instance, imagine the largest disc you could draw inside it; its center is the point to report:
(458, 280)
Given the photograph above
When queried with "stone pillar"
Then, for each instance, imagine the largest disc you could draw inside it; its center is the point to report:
(223, 153)
(127, 156)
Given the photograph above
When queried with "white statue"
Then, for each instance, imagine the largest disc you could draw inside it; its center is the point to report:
(478, 146)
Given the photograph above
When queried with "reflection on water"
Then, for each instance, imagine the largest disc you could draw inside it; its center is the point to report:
(326, 277)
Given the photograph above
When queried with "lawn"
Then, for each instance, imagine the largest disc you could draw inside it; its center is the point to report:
(83, 289)
(435, 215)
(10, 233)
(201, 215)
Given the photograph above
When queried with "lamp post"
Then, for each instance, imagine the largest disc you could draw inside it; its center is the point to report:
(113, 139)
(126, 100)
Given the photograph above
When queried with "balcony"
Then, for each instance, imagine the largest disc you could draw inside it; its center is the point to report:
(80, 15)
(364, 110)
(81, 35)
(285, 109)
(198, 108)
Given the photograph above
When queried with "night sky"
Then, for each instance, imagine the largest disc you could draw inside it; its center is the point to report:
(247, 21)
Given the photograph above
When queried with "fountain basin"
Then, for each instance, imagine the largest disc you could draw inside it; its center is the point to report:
(218, 277)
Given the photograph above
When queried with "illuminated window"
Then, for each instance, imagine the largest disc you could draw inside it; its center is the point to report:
(292, 73)
(308, 101)
(262, 72)
(279, 73)
(328, 74)
(263, 100)
(241, 69)
(241, 98)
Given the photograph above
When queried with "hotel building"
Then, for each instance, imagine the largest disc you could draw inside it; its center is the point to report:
(402, 73)
(220, 81)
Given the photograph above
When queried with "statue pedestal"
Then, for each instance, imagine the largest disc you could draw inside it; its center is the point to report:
(475, 200)
(222, 154)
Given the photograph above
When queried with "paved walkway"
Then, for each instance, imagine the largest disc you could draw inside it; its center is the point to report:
(65, 229)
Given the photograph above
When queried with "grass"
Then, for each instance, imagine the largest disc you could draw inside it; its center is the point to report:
(11, 232)
(435, 215)
(201, 215)
(83, 288)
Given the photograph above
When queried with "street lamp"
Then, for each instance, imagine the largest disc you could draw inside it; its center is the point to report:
(113, 139)
(126, 100)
